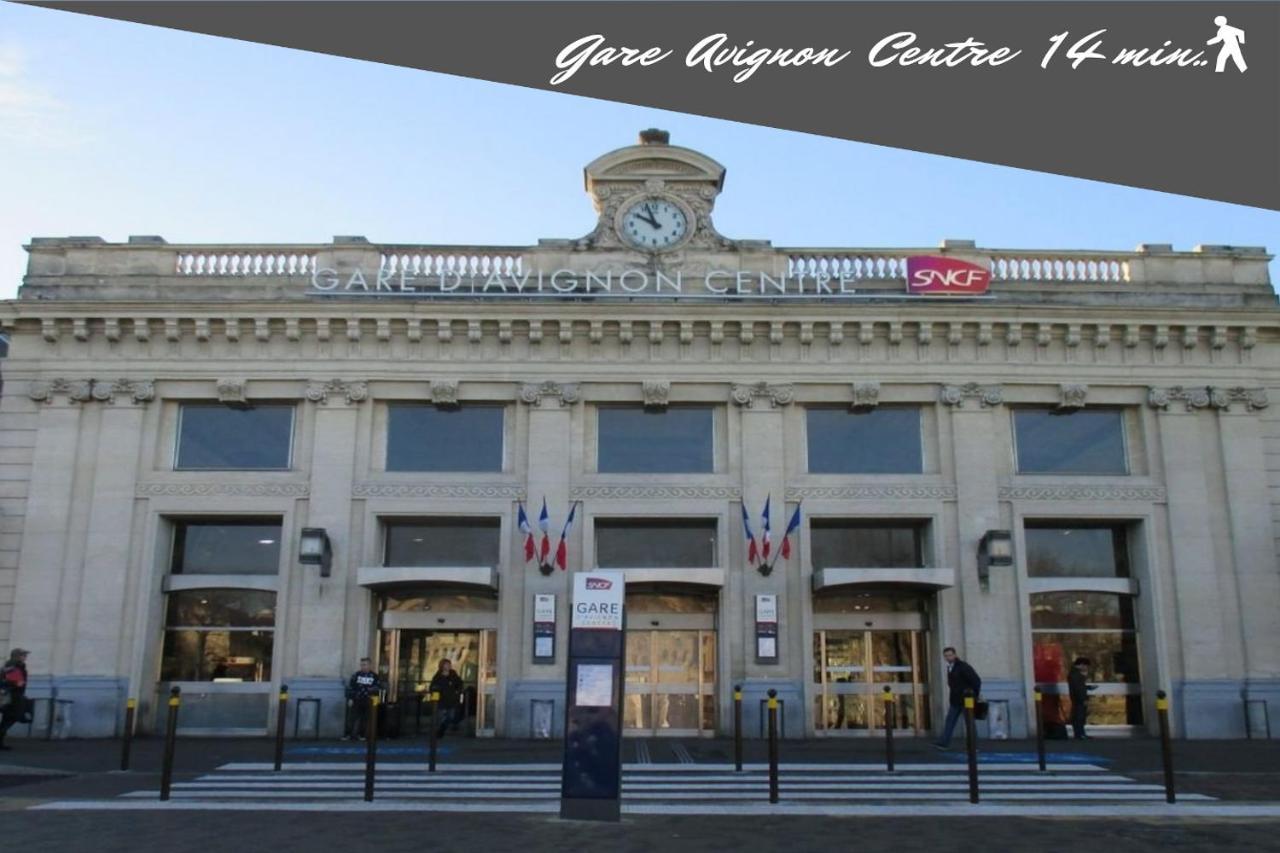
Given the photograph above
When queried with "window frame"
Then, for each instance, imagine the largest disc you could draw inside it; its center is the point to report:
(1125, 443)
(387, 522)
(183, 405)
(389, 405)
(637, 521)
(177, 537)
(167, 629)
(920, 527)
(715, 410)
(918, 408)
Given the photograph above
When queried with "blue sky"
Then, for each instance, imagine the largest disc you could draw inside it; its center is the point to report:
(116, 129)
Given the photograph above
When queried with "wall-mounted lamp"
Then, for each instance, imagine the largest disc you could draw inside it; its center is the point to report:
(995, 549)
(314, 549)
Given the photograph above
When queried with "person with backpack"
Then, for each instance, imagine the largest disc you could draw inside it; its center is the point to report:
(960, 677)
(13, 693)
(448, 684)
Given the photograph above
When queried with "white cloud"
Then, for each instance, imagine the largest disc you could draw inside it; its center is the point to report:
(28, 113)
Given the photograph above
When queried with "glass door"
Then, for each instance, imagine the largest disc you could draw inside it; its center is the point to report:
(412, 657)
(670, 683)
(851, 670)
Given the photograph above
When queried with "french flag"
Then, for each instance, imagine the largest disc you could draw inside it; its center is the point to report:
(527, 530)
(766, 541)
(562, 550)
(544, 523)
(792, 526)
(753, 554)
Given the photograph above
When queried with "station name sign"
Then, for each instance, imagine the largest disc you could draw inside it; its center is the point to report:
(597, 600)
(924, 276)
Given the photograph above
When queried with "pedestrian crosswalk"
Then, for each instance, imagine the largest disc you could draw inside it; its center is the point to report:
(683, 788)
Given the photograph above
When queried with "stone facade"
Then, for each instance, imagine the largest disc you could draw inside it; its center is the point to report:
(107, 340)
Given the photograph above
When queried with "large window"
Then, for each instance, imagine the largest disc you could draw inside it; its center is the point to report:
(676, 440)
(1062, 550)
(218, 635)
(212, 436)
(1099, 627)
(842, 543)
(443, 542)
(884, 440)
(422, 437)
(1089, 441)
(670, 543)
(226, 546)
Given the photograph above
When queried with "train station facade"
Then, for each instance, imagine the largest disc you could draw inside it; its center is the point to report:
(235, 467)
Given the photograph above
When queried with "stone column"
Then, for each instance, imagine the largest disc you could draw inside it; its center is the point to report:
(101, 641)
(549, 407)
(1253, 549)
(992, 634)
(323, 601)
(44, 534)
(764, 476)
(1207, 704)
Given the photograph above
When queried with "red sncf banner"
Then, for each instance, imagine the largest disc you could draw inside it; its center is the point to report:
(948, 276)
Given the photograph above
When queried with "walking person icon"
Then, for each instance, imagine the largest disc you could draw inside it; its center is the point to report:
(1230, 38)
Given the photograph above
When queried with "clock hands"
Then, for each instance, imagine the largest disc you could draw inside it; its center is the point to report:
(649, 218)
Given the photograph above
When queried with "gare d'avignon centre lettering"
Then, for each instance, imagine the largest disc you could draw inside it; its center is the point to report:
(925, 275)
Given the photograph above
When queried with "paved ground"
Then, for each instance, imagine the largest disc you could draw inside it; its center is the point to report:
(835, 794)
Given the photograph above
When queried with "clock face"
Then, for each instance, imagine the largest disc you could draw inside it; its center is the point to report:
(654, 224)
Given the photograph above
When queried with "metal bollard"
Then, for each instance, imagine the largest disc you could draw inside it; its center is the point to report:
(773, 745)
(971, 744)
(1166, 751)
(282, 712)
(130, 709)
(888, 727)
(435, 731)
(1040, 728)
(737, 727)
(371, 748)
(170, 736)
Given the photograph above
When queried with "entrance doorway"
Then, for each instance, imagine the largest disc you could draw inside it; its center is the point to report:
(851, 670)
(671, 663)
(671, 683)
(412, 656)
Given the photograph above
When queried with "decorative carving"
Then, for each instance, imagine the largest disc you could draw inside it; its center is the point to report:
(866, 395)
(353, 392)
(438, 490)
(444, 393)
(880, 491)
(987, 395)
(1082, 493)
(606, 492)
(75, 390)
(231, 390)
(1253, 398)
(777, 395)
(133, 390)
(1072, 396)
(246, 490)
(657, 394)
(1196, 397)
(533, 392)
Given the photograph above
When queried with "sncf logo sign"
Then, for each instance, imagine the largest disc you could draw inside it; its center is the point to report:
(599, 583)
(928, 274)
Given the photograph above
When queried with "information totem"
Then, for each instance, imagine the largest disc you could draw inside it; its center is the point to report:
(591, 783)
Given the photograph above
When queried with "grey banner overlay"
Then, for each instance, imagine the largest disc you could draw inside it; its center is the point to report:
(1186, 130)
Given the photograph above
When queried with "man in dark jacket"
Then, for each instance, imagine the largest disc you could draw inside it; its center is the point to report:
(361, 688)
(1078, 687)
(960, 677)
(13, 692)
(449, 685)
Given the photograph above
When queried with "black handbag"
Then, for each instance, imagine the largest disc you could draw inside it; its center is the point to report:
(980, 710)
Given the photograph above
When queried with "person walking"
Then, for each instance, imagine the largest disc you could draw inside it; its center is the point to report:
(13, 693)
(448, 684)
(960, 677)
(1078, 687)
(361, 688)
